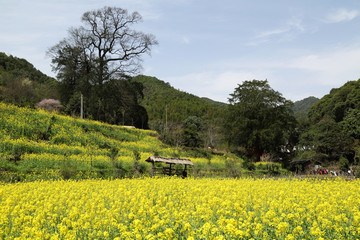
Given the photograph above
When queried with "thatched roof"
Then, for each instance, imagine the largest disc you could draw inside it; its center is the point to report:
(170, 160)
(304, 161)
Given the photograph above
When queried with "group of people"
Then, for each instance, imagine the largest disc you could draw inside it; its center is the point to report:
(334, 172)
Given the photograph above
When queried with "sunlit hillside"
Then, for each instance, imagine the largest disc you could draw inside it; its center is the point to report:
(39, 143)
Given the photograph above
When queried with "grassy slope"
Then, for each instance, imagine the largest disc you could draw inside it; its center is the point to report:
(38, 142)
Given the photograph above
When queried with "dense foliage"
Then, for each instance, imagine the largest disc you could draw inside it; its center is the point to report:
(340, 104)
(22, 84)
(333, 130)
(169, 109)
(259, 120)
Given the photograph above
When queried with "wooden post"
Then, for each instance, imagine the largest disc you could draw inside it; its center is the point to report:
(185, 172)
(81, 107)
(170, 170)
(153, 168)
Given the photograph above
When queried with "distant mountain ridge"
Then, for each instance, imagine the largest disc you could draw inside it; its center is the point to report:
(302, 107)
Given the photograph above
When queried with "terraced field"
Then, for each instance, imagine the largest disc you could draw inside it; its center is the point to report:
(36, 143)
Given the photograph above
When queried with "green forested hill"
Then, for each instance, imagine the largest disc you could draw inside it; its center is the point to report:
(334, 126)
(302, 107)
(160, 97)
(22, 84)
(340, 104)
(18, 67)
(182, 119)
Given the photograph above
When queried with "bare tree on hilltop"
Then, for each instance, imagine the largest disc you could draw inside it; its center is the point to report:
(95, 57)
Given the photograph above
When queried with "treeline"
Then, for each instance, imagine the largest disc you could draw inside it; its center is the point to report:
(326, 131)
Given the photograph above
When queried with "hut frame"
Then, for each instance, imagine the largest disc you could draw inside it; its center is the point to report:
(169, 170)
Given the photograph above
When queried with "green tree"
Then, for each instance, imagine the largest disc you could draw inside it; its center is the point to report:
(192, 132)
(330, 140)
(259, 119)
(351, 123)
(169, 108)
(96, 60)
(334, 124)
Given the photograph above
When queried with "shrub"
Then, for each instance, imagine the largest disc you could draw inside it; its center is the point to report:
(343, 164)
(49, 105)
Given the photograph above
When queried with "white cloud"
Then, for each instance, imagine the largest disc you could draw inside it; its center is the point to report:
(342, 15)
(284, 33)
(336, 65)
(271, 33)
(296, 24)
(186, 40)
(216, 85)
(296, 77)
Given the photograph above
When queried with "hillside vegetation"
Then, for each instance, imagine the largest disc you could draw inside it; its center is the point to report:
(332, 133)
(182, 119)
(22, 84)
(327, 130)
(48, 145)
(302, 107)
(160, 97)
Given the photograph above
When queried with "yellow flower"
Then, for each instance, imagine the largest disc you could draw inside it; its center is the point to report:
(283, 227)
(199, 209)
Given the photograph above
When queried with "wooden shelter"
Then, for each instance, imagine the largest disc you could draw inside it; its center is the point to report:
(169, 170)
(308, 166)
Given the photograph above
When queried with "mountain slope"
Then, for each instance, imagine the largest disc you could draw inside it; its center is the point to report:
(19, 67)
(302, 107)
(161, 99)
(22, 84)
(340, 104)
(334, 132)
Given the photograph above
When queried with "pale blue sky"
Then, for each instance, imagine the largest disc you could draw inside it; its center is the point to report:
(303, 47)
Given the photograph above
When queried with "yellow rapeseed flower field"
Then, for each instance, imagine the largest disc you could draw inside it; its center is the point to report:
(174, 208)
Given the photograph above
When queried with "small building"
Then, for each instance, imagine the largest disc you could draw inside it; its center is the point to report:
(169, 170)
(307, 166)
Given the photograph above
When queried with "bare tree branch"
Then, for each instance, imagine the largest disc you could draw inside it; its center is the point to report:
(109, 43)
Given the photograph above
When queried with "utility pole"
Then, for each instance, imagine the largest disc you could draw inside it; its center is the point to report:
(81, 107)
(166, 115)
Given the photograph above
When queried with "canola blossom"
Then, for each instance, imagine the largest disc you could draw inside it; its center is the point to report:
(41, 141)
(174, 208)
